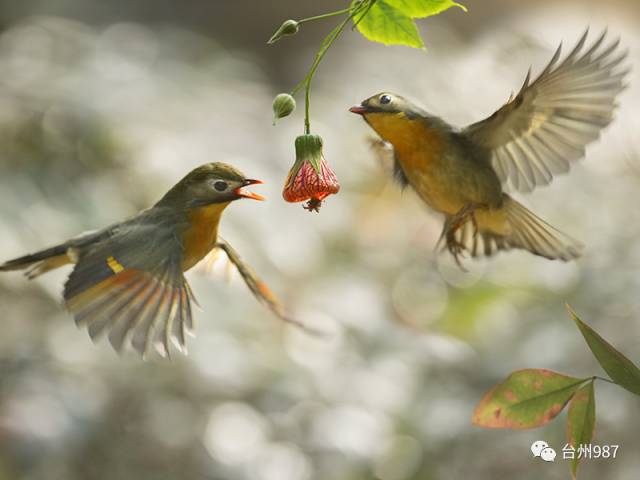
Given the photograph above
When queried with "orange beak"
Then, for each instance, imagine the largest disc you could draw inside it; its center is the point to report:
(241, 192)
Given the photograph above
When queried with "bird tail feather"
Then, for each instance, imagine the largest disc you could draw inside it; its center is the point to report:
(516, 227)
(40, 262)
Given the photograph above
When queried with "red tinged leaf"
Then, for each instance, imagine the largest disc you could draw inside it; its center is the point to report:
(581, 422)
(619, 368)
(526, 399)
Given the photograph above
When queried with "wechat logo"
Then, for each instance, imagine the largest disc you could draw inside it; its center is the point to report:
(541, 449)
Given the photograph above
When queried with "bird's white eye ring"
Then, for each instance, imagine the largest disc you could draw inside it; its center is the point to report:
(385, 99)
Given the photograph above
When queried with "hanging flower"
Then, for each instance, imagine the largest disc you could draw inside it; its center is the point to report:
(310, 178)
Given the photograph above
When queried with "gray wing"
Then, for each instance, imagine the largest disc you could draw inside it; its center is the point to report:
(129, 284)
(547, 125)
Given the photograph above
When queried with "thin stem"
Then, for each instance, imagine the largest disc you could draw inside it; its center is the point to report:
(327, 42)
(323, 50)
(324, 15)
(596, 377)
(324, 46)
(298, 86)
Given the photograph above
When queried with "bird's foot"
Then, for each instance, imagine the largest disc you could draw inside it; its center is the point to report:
(455, 223)
(456, 249)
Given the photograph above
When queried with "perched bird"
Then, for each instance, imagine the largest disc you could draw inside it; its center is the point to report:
(534, 136)
(128, 278)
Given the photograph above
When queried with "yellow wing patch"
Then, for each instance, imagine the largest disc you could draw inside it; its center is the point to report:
(114, 265)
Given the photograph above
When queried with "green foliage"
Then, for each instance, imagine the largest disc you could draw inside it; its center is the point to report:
(527, 398)
(391, 22)
(423, 8)
(619, 368)
(530, 398)
(390, 26)
(581, 421)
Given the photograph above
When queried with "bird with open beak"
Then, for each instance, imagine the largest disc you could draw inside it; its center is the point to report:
(128, 278)
(537, 134)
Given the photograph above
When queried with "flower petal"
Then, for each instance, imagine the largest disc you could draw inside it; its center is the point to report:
(306, 183)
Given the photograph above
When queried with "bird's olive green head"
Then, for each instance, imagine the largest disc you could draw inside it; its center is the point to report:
(393, 117)
(387, 103)
(208, 184)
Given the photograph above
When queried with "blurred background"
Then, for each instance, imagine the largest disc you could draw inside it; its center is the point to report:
(105, 105)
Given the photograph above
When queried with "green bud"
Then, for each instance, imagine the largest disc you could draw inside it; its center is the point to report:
(283, 105)
(289, 27)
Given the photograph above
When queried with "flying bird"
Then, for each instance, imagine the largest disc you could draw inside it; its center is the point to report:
(128, 280)
(537, 134)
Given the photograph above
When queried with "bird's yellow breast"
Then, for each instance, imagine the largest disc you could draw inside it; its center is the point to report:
(416, 144)
(421, 151)
(201, 236)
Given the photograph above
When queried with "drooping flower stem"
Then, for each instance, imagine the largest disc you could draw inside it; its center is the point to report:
(324, 47)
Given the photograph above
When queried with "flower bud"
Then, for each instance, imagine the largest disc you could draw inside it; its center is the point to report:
(310, 178)
(283, 105)
(289, 27)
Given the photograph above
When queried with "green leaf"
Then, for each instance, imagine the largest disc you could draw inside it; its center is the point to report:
(526, 399)
(386, 24)
(581, 421)
(619, 368)
(423, 8)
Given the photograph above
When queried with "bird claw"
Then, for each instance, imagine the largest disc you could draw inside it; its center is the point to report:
(474, 223)
(456, 248)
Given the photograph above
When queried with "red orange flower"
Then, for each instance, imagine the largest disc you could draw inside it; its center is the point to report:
(310, 179)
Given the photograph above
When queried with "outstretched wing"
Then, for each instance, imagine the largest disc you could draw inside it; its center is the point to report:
(131, 287)
(536, 134)
(259, 289)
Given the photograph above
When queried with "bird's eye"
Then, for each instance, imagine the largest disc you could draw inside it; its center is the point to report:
(220, 186)
(384, 99)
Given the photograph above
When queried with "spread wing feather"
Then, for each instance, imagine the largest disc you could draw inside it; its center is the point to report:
(131, 288)
(547, 125)
(146, 309)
